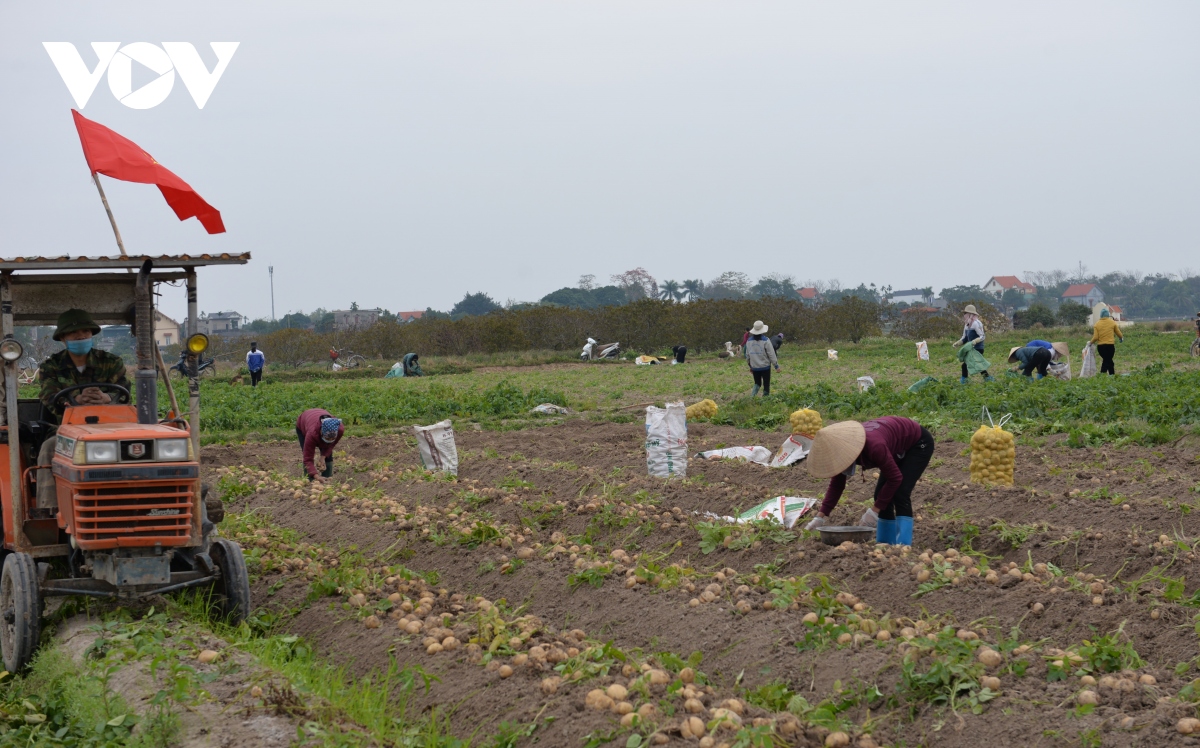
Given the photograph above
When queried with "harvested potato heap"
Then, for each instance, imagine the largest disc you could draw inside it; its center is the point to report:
(704, 409)
(806, 421)
(993, 456)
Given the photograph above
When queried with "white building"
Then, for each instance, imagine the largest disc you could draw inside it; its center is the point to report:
(166, 330)
(221, 323)
(355, 319)
(911, 296)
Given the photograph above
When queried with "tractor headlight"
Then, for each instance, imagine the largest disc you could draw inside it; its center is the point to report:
(198, 343)
(171, 450)
(100, 452)
(11, 350)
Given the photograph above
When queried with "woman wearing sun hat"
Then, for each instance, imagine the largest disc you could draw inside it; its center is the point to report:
(318, 429)
(900, 447)
(972, 332)
(760, 355)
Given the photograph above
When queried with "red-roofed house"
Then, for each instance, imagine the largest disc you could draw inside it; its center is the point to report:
(808, 293)
(1115, 311)
(1088, 294)
(408, 316)
(998, 284)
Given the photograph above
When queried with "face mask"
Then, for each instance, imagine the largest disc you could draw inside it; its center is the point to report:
(80, 347)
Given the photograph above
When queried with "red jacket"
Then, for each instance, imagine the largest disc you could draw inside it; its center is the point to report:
(308, 425)
(887, 438)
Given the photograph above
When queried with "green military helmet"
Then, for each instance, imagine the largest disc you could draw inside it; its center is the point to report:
(74, 320)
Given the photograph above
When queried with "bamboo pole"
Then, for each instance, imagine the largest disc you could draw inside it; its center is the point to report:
(113, 221)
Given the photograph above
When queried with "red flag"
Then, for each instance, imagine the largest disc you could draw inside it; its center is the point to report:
(119, 157)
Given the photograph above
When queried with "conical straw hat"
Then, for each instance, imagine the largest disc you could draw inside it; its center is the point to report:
(835, 448)
(1012, 354)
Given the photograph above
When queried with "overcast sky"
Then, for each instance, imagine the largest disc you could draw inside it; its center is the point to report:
(400, 154)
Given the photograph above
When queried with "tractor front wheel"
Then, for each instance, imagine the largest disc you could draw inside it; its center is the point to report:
(231, 592)
(20, 611)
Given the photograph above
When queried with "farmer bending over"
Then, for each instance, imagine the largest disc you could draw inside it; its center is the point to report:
(900, 447)
(78, 363)
(318, 429)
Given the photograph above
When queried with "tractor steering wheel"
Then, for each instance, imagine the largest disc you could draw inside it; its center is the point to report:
(122, 396)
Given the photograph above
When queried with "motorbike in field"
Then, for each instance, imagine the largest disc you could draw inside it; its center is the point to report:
(594, 351)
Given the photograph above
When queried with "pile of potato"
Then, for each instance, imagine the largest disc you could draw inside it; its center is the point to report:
(806, 421)
(704, 409)
(993, 456)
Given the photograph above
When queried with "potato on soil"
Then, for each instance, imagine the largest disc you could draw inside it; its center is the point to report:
(1088, 698)
(692, 727)
(1187, 726)
(550, 685)
(597, 699)
(837, 740)
(206, 656)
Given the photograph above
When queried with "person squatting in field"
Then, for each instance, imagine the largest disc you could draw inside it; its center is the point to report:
(255, 361)
(316, 428)
(1036, 354)
(972, 331)
(899, 447)
(1104, 336)
(760, 355)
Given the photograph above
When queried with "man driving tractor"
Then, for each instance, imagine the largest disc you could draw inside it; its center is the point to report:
(79, 363)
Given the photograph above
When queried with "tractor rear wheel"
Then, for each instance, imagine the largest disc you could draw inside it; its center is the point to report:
(231, 592)
(20, 610)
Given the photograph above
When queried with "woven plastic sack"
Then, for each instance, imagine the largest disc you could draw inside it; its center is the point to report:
(922, 351)
(832, 354)
(666, 440)
(1088, 369)
(993, 454)
(974, 360)
(436, 445)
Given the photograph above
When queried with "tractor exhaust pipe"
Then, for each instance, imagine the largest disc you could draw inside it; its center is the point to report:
(146, 375)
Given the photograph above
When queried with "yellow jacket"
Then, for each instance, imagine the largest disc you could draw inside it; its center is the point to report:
(1104, 331)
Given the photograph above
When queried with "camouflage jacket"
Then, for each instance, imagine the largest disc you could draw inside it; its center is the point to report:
(59, 372)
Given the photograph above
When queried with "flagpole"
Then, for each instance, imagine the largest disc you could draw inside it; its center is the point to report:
(113, 221)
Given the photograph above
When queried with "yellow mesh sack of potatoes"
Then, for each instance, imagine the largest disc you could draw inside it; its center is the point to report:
(805, 421)
(993, 456)
(704, 409)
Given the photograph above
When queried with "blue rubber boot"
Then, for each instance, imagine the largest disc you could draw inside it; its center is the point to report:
(962, 380)
(989, 378)
(885, 531)
(754, 391)
(904, 529)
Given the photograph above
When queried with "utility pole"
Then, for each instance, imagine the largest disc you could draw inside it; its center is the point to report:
(271, 272)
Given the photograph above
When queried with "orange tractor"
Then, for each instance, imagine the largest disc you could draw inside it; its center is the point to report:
(130, 517)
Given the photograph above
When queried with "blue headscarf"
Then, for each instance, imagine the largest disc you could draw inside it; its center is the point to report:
(1105, 313)
(329, 428)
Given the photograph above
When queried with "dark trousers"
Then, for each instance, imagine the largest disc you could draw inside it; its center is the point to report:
(255, 378)
(912, 466)
(1106, 352)
(1039, 360)
(763, 378)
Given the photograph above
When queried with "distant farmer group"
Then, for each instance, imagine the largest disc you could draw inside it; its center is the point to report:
(900, 448)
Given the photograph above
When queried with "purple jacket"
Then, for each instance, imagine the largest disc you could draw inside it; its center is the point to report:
(887, 439)
(309, 425)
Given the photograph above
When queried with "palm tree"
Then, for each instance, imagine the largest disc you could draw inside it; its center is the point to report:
(694, 289)
(669, 290)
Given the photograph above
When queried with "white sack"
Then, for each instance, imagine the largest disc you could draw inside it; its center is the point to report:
(666, 440)
(436, 445)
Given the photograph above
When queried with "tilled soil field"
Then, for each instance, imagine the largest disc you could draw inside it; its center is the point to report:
(553, 583)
